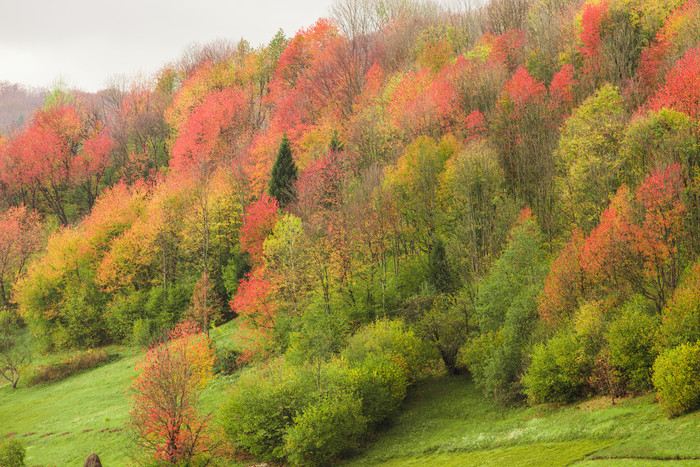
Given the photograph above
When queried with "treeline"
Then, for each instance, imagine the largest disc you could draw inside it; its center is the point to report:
(518, 184)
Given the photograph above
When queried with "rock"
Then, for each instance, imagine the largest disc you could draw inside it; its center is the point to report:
(92, 461)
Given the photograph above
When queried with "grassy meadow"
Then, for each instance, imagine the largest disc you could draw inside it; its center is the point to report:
(444, 421)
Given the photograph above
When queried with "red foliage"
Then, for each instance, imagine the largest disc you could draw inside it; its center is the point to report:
(507, 47)
(523, 90)
(561, 90)
(651, 61)
(475, 125)
(565, 284)
(608, 255)
(20, 237)
(637, 242)
(258, 222)
(681, 89)
(254, 302)
(164, 414)
(592, 18)
(660, 234)
(209, 136)
(428, 103)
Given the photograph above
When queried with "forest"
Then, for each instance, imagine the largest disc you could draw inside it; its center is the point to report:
(403, 189)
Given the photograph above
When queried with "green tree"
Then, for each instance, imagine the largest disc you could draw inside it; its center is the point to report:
(284, 174)
(588, 157)
(439, 273)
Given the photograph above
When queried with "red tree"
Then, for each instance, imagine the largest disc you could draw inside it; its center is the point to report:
(164, 414)
(20, 236)
(259, 220)
(681, 90)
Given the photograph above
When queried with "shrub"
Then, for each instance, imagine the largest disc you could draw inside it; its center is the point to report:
(77, 362)
(446, 325)
(680, 320)
(324, 430)
(559, 370)
(12, 453)
(381, 386)
(390, 340)
(631, 339)
(122, 314)
(142, 334)
(228, 361)
(264, 403)
(677, 379)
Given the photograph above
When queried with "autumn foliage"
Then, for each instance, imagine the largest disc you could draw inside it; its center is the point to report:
(164, 415)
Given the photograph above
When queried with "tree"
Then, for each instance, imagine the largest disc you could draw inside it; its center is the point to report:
(284, 175)
(205, 307)
(20, 237)
(588, 157)
(15, 355)
(164, 414)
(439, 270)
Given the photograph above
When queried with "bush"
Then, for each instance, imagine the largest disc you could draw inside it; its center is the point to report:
(559, 371)
(677, 379)
(228, 361)
(631, 340)
(142, 333)
(264, 403)
(381, 386)
(324, 430)
(390, 340)
(12, 453)
(446, 325)
(122, 314)
(680, 320)
(79, 361)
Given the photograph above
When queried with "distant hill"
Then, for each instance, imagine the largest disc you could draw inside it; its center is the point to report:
(17, 103)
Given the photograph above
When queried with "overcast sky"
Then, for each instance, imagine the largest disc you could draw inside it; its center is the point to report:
(85, 42)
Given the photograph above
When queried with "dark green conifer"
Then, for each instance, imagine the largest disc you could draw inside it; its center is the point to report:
(336, 145)
(439, 273)
(284, 175)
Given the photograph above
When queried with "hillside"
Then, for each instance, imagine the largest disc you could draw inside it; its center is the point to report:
(402, 190)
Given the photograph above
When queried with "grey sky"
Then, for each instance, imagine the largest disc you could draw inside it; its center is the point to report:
(85, 42)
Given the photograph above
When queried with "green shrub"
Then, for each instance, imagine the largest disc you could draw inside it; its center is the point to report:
(228, 361)
(264, 403)
(680, 320)
(77, 362)
(381, 386)
(506, 306)
(122, 314)
(677, 379)
(12, 453)
(631, 339)
(142, 334)
(559, 370)
(389, 340)
(325, 430)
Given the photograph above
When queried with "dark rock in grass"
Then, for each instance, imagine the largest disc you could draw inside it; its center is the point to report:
(92, 461)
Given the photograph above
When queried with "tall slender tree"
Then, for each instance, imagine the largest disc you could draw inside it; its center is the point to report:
(284, 174)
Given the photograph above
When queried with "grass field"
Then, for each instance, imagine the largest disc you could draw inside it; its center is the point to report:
(444, 421)
(447, 422)
(63, 422)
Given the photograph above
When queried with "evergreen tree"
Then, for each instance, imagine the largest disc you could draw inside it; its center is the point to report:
(336, 145)
(284, 175)
(439, 273)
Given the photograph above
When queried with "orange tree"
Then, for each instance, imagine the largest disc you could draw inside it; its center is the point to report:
(164, 416)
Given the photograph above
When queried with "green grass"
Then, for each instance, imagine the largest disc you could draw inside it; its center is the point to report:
(63, 422)
(446, 421)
